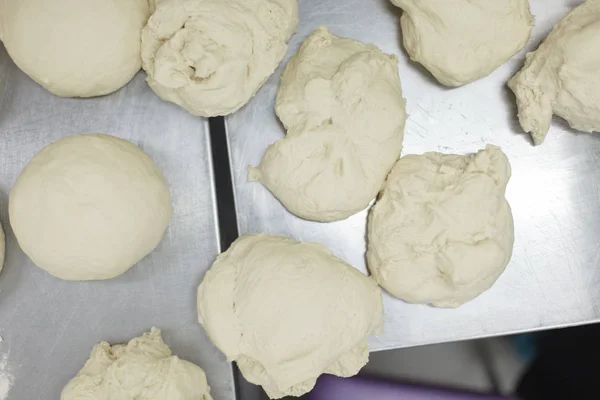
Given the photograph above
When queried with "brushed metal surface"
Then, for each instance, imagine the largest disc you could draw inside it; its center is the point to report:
(49, 326)
(553, 278)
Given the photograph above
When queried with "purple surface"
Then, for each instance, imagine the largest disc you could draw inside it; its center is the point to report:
(359, 388)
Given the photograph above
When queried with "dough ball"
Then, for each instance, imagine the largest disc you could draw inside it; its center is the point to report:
(89, 207)
(2, 247)
(211, 56)
(442, 231)
(561, 77)
(75, 48)
(341, 103)
(142, 369)
(288, 312)
(460, 41)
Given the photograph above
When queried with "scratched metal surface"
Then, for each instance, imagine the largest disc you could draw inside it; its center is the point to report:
(49, 326)
(553, 278)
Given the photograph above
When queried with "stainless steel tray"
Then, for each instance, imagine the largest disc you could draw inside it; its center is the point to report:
(553, 278)
(49, 326)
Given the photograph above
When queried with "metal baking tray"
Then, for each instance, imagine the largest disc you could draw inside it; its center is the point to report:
(553, 278)
(48, 326)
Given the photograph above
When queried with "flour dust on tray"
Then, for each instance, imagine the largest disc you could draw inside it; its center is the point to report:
(442, 231)
(561, 77)
(143, 369)
(6, 377)
(341, 103)
(75, 48)
(288, 312)
(460, 41)
(211, 56)
(89, 207)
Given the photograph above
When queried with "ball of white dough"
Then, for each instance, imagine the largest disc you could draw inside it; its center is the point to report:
(211, 56)
(142, 369)
(89, 207)
(442, 231)
(460, 41)
(75, 48)
(341, 103)
(288, 312)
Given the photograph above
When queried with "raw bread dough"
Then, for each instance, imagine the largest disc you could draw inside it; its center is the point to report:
(2, 247)
(442, 231)
(143, 369)
(89, 207)
(341, 103)
(562, 76)
(75, 48)
(211, 56)
(288, 312)
(460, 41)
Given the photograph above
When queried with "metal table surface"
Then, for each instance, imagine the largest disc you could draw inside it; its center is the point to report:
(553, 278)
(48, 326)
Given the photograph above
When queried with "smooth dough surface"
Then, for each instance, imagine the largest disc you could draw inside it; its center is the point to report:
(75, 48)
(143, 369)
(341, 103)
(561, 77)
(288, 312)
(442, 231)
(460, 41)
(211, 56)
(89, 207)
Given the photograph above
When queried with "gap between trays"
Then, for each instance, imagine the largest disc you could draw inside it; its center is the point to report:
(227, 223)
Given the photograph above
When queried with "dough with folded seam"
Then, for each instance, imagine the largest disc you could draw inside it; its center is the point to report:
(211, 56)
(143, 369)
(442, 231)
(341, 103)
(288, 312)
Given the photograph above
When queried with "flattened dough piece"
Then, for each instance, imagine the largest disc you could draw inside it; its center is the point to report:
(442, 231)
(288, 312)
(460, 41)
(211, 56)
(562, 76)
(142, 369)
(341, 103)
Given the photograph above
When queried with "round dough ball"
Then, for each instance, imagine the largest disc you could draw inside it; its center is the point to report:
(75, 48)
(288, 312)
(460, 41)
(142, 369)
(211, 56)
(341, 103)
(89, 207)
(442, 231)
